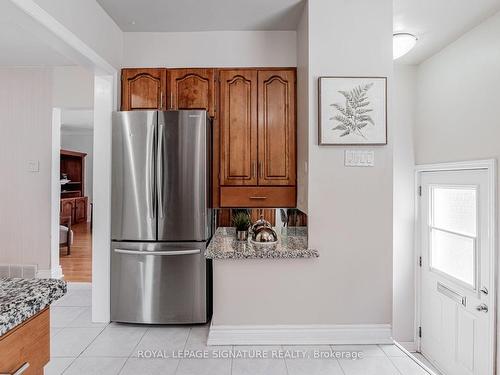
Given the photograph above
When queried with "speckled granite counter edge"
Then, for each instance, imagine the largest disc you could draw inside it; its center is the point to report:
(21, 299)
(264, 254)
(224, 246)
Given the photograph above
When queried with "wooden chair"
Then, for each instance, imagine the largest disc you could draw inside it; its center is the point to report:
(65, 233)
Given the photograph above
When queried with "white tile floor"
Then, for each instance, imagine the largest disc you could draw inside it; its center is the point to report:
(79, 347)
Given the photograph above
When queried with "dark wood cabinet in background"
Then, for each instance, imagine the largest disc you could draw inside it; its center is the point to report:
(75, 208)
(67, 207)
(144, 88)
(74, 203)
(191, 89)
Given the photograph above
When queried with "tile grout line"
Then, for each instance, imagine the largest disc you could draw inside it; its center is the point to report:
(183, 348)
(397, 368)
(332, 348)
(132, 352)
(80, 354)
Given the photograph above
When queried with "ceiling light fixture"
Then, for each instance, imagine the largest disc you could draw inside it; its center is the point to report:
(402, 43)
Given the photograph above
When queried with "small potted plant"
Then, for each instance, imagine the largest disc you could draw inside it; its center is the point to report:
(241, 221)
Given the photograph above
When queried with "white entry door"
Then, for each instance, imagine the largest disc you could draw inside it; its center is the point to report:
(456, 299)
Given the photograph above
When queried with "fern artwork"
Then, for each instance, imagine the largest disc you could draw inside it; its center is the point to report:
(352, 111)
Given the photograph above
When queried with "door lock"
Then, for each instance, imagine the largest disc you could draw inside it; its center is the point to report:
(482, 307)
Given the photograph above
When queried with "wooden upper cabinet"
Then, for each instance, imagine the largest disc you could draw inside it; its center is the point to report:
(191, 89)
(144, 88)
(276, 134)
(238, 127)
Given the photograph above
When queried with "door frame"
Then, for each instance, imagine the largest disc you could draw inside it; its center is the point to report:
(490, 166)
(106, 96)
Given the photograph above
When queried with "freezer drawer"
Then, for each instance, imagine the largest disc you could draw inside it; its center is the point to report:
(158, 283)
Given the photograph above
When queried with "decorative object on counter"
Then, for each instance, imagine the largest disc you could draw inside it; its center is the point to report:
(352, 111)
(261, 223)
(224, 246)
(241, 220)
(263, 233)
(20, 299)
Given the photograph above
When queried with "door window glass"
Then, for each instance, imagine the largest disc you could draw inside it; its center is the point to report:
(453, 230)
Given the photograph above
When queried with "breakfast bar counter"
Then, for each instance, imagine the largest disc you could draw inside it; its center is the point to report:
(21, 299)
(292, 243)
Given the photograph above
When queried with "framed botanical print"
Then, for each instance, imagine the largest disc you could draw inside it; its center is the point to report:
(352, 111)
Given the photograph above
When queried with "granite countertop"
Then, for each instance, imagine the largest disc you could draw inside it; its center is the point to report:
(292, 243)
(20, 299)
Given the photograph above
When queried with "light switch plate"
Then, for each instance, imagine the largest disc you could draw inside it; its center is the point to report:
(359, 158)
(33, 166)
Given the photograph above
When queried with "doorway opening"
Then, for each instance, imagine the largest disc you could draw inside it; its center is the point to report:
(76, 176)
(456, 288)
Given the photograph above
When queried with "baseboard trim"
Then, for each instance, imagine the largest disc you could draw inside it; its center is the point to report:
(299, 334)
(410, 346)
(55, 273)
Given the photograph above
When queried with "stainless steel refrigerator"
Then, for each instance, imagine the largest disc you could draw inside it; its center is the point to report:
(161, 216)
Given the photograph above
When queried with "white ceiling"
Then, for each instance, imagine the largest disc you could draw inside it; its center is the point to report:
(204, 15)
(437, 23)
(19, 47)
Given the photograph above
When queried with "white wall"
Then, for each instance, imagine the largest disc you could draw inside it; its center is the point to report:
(73, 87)
(25, 134)
(350, 209)
(458, 113)
(404, 192)
(81, 140)
(210, 49)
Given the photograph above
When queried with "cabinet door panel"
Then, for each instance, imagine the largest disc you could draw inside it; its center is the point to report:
(191, 89)
(276, 137)
(80, 210)
(143, 89)
(238, 127)
(67, 206)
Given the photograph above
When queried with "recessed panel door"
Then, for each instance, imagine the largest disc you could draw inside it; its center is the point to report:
(276, 130)
(191, 89)
(238, 127)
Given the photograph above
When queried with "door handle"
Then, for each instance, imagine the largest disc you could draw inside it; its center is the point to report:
(484, 290)
(150, 177)
(159, 170)
(482, 307)
(162, 253)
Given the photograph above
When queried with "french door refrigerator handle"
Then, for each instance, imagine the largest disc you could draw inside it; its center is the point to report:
(163, 253)
(151, 175)
(159, 170)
